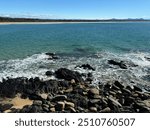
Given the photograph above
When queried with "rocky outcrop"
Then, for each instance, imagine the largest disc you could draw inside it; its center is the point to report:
(73, 94)
(67, 74)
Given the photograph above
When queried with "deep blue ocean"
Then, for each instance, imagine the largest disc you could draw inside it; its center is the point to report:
(23, 47)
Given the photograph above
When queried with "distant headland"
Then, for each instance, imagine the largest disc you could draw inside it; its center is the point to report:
(9, 19)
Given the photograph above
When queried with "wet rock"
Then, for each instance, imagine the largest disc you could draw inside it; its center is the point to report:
(118, 84)
(126, 91)
(49, 73)
(52, 55)
(121, 64)
(147, 58)
(67, 74)
(86, 66)
(60, 106)
(59, 98)
(137, 89)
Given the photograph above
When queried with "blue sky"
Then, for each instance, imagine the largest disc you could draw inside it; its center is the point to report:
(74, 9)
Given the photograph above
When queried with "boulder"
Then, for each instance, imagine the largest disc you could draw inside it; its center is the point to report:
(67, 74)
(4, 107)
(106, 110)
(93, 92)
(69, 104)
(49, 73)
(52, 109)
(59, 98)
(37, 102)
(86, 66)
(143, 106)
(93, 109)
(121, 64)
(113, 102)
(60, 106)
(118, 84)
(52, 55)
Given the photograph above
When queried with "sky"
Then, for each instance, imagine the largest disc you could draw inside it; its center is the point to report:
(76, 9)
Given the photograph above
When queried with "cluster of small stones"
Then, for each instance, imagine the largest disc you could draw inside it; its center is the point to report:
(81, 97)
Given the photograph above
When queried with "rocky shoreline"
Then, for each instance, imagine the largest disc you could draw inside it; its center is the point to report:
(72, 92)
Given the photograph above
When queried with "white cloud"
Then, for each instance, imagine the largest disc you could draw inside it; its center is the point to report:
(29, 15)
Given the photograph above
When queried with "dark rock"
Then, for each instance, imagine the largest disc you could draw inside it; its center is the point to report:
(93, 102)
(93, 109)
(89, 75)
(137, 89)
(31, 109)
(126, 91)
(114, 105)
(59, 98)
(72, 110)
(49, 73)
(67, 74)
(4, 107)
(34, 97)
(52, 55)
(147, 58)
(143, 106)
(60, 106)
(106, 110)
(69, 104)
(87, 66)
(78, 100)
(92, 92)
(114, 102)
(118, 84)
(115, 87)
(121, 64)
(46, 109)
(128, 101)
(37, 102)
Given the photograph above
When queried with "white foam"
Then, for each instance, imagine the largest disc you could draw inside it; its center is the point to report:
(38, 64)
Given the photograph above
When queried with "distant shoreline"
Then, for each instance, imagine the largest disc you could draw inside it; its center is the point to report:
(9, 23)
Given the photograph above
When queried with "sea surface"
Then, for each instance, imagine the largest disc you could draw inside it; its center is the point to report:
(23, 48)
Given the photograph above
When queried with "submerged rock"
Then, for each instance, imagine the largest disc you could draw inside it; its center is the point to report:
(86, 66)
(121, 64)
(52, 56)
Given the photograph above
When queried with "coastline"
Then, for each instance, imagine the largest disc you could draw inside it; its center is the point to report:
(72, 92)
(12, 23)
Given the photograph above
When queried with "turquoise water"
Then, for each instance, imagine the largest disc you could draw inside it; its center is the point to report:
(19, 41)
(23, 47)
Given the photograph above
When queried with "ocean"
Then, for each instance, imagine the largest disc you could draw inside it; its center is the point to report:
(23, 48)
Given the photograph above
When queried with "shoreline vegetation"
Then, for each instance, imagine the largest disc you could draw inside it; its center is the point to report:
(72, 92)
(9, 20)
